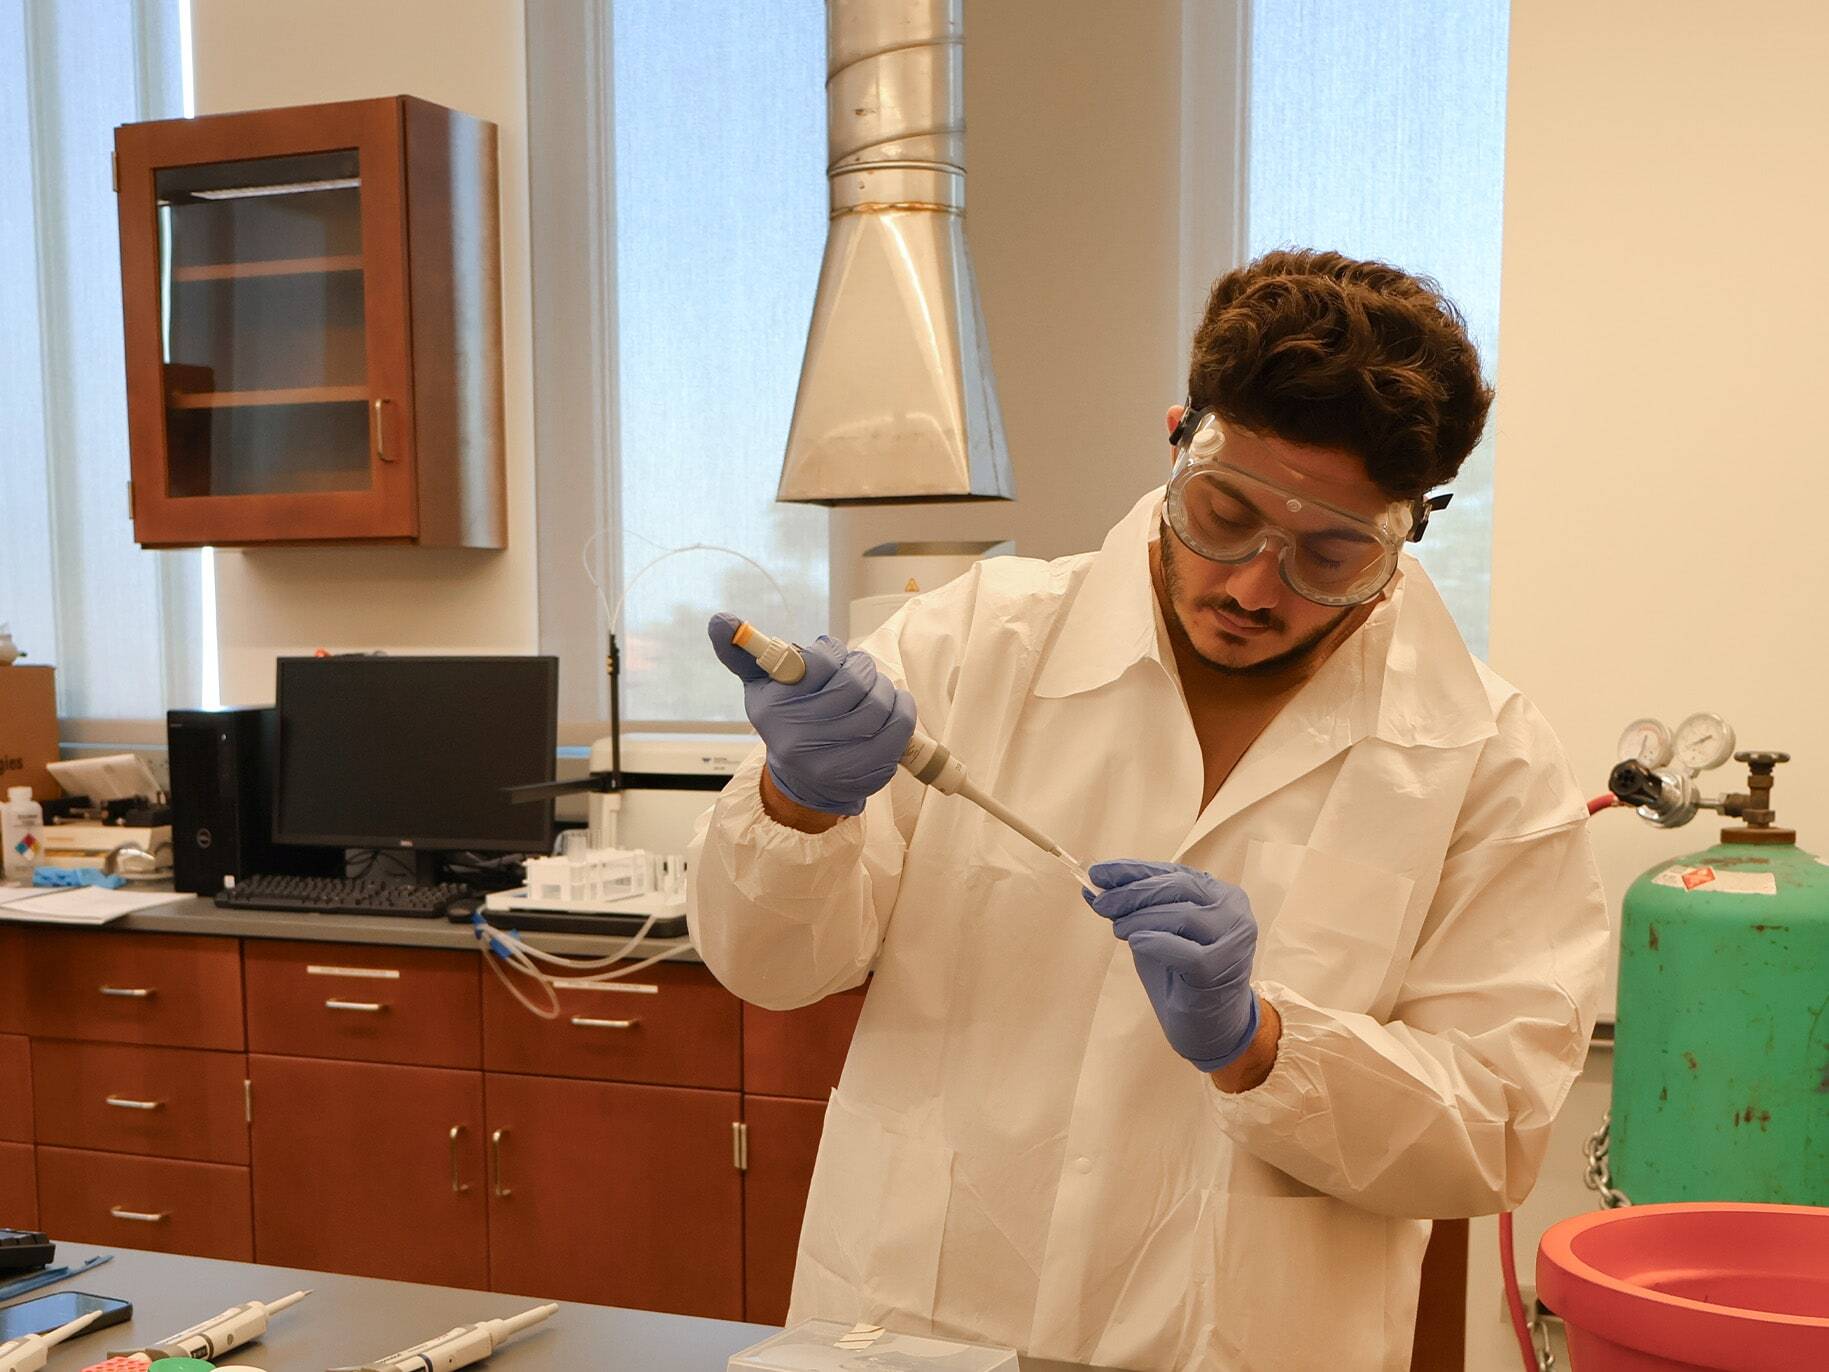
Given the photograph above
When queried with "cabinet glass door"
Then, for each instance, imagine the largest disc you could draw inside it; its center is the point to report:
(262, 315)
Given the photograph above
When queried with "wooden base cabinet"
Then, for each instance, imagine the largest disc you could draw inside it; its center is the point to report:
(783, 1143)
(616, 1194)
(18, 1187)
(370, 1168)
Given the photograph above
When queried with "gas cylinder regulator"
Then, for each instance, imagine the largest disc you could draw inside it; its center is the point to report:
(1657, 771)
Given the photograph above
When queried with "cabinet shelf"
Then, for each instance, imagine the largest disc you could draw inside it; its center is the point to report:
(285, 266)
(298, 395)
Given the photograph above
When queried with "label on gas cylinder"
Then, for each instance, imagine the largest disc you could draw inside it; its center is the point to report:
(1710, 879)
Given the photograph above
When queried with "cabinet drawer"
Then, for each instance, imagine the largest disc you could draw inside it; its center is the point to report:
(125, 1098)
(414, 1006)
(799, 1052)
(116, 1200)
(14, 950)
(671, 1026)
(18, 1187)
(173, 989)
(15, 1089)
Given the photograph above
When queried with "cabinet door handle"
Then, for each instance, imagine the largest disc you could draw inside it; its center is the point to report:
(495, 1147)
(123, 1103)
(138, 1216)
(128, 992)
(368, 1007)
(381, 453)
(458, 1184)
(586, 1022)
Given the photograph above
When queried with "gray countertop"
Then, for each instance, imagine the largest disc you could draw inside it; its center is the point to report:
(350, 1320)
(201, 915)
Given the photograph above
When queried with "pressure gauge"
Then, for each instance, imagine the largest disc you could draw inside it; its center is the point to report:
(1645, 741)
(1704, 741)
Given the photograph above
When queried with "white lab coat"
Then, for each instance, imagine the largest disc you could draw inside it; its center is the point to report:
(1014, 1153)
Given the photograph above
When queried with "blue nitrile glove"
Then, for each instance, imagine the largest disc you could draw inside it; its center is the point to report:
(1192, 938)
(835, 736)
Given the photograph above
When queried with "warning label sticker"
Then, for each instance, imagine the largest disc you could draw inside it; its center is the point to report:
(1728, 883)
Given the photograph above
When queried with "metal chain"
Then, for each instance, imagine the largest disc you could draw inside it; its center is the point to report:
(1540, 1345)
(1600, 1172)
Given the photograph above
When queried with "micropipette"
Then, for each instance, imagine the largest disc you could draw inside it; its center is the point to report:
(925, 758)
(458, 1347)
(235, 1326)
(29, 1353)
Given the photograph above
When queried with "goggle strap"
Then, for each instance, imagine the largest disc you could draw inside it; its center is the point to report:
(1425, 507)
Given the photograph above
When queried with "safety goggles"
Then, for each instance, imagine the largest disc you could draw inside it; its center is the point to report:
(1326, 554)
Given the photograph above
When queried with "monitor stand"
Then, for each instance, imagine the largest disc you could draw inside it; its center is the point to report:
(428, 866)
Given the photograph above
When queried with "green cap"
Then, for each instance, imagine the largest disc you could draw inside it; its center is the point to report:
(181, 1365)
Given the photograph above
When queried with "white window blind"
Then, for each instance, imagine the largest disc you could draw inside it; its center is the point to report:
(120, 624)
(1379, 130)
(679, 211)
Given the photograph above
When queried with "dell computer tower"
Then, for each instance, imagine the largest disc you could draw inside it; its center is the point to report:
(222, 764)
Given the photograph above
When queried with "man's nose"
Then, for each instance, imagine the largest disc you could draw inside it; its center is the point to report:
(1255, 585)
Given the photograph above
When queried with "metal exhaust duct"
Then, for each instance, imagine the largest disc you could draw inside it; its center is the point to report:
(896, 401)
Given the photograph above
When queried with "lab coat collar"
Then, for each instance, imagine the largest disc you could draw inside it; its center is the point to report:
(1404, 676)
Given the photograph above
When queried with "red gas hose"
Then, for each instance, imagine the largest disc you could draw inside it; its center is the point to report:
(1508, 1264)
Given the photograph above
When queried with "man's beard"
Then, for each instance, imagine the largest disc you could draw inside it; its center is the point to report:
(1172, 549)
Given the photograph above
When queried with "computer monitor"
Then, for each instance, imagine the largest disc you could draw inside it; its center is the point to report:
(413, 752)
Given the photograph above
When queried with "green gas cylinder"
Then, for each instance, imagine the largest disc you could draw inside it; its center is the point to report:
(1721, 1057)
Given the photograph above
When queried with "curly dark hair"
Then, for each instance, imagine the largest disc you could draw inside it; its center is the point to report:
(1321, 349)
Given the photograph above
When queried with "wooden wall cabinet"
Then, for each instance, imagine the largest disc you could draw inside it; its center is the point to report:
(312, 307)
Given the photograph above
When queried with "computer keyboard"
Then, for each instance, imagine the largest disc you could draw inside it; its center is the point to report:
(341, 896)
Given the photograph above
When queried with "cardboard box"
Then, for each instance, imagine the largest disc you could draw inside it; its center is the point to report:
(28, 729)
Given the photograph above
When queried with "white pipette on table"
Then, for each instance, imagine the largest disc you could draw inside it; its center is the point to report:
(210, 1338)
(29, 1353)
(924, 758)
(459, 1347)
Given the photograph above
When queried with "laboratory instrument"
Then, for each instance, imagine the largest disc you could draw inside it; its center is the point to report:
(207, 1339)
(925, 758)
(18, 1286)
(1721, 1051)
(1327, 554)
(1647, 742)
(25, 1250)
(889, 575)
(459, 1347)
(27, 1352)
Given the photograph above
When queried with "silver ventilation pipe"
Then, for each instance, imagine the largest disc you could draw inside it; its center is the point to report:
(896, 401)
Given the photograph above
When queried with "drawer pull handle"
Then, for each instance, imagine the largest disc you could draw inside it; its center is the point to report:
(128, 992)
(138, 1216)
(367, 1007)
(458, 1184)
(495, 1147)
(375, 973)
(586, 1022)
(122, 1103)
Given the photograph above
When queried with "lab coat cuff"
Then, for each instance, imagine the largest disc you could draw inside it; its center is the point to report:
(1293, 1093)
(768, 858)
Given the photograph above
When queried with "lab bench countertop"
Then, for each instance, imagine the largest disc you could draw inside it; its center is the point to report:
(201, 915)
(352, 1320)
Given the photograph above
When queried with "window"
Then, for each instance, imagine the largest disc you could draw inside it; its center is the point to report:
(679, 208)
(1379, 130)
(121, 624)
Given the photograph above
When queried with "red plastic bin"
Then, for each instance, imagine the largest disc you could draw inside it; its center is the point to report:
(1674, 1288)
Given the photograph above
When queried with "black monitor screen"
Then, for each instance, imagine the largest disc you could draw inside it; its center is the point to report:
(387, 752)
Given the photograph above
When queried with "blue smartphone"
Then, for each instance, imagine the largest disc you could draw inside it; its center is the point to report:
(46, 1313)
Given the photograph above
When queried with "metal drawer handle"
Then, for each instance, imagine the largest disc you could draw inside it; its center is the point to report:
(128, 992)
(380, 422)
(377, 973)
(122, 1103)
(586, 1022)
(138, 1216)
(495, 1147)
(366, 1006)
(458, 1184)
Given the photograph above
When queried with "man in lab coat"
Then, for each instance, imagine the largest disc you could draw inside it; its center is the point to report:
(1345, 969)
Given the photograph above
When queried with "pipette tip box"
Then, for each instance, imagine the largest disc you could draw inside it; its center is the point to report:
(828, 1346)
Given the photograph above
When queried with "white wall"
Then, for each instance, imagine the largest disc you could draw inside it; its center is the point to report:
(1658, 545)
(467, 54)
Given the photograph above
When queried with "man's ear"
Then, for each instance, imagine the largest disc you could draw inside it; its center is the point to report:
(1174, 416)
